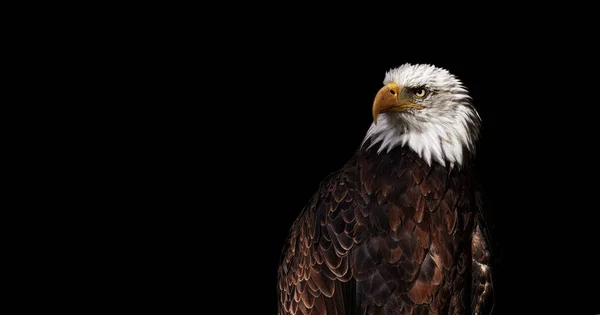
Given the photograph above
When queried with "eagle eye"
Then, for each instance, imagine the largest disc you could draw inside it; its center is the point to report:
(420, 93)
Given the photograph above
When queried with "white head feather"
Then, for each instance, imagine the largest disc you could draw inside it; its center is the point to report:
(440, 131)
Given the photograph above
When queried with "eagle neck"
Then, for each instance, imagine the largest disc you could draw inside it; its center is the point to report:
(448, 144)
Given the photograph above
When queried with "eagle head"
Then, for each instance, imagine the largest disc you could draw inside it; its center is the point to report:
(428, 109)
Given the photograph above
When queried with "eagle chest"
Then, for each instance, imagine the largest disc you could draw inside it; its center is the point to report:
(411, 209)
(401, 193)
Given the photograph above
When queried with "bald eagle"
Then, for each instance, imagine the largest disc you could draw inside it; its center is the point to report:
(398, 229)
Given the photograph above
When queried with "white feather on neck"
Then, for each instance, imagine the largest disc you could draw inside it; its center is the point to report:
(440, 138)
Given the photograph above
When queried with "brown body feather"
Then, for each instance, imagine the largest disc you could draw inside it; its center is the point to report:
(388, 234)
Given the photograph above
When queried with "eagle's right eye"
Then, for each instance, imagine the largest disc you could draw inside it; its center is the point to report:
(420, 93)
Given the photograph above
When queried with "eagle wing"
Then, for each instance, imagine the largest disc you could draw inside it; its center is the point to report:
(482, 290)
(314, 274)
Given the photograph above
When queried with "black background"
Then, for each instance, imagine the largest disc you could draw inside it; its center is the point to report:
(285, 107)
(214, 127)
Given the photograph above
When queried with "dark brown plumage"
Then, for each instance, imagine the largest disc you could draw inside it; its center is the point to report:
(387, 234)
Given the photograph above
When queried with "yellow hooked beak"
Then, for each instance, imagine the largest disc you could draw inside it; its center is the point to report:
(388, 99)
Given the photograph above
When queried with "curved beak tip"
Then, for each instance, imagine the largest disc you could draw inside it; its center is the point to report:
(375, 114)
